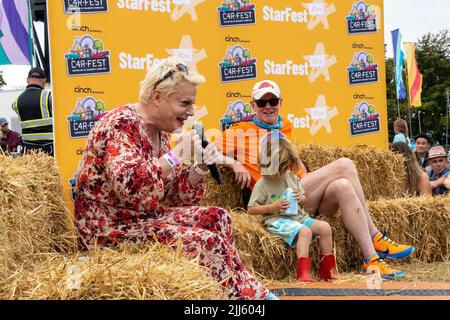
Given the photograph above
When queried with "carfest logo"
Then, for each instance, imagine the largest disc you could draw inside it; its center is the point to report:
(238, 64)
(237, 111)
(85, 6)
(363, 69)
(85, 114)
(236, 12)
(86, 56)
(362, 19)
(364, 119)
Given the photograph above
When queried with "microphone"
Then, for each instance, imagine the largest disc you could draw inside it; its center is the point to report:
(213, 168)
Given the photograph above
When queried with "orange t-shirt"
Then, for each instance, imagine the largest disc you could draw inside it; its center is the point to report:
(242, 142)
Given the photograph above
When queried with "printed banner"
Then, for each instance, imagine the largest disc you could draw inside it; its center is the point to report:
(326, 56)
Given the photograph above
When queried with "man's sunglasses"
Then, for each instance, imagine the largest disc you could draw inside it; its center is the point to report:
(181, 67)
(262, 103)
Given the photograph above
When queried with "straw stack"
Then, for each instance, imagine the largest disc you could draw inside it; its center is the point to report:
(33, 216)
(152, 272)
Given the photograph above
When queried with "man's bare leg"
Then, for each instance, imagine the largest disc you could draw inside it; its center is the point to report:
(316, 183)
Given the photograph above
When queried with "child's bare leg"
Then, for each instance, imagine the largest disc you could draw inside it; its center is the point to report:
(323, 230)
(303, 242)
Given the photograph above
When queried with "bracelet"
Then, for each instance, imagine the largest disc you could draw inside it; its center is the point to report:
(172, 159)
(199, 170)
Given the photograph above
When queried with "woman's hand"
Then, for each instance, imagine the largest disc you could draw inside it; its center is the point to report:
(280, 206)
(243, 177)
(207, 156)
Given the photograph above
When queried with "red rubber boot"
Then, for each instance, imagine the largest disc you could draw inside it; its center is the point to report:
(327, 267)
(304, 270)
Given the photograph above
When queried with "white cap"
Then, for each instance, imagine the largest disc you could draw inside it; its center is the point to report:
(263, 87)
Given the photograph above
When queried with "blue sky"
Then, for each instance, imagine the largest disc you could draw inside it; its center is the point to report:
(414, 18)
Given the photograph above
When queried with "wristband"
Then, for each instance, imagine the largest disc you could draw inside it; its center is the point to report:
(172, 159)
(199, 170)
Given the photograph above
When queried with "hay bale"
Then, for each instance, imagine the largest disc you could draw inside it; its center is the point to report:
(228, 195)
(381, 172)
(261, 252)
(33, 217)
(151, 272)
(423, 222)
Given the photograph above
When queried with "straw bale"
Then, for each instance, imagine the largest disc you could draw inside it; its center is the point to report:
(423, 222)
(150, 272)
(381, 172)
(33, 217)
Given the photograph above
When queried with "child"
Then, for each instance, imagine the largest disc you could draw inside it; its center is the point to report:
(401, 131)
(296, 230)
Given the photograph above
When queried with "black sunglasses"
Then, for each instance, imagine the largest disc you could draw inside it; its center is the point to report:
(262, 103)
(181, 67)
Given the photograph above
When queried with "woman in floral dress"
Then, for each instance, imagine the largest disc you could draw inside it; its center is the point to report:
(130, 186)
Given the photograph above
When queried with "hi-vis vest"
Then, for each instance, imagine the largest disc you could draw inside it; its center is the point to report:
(35, 117)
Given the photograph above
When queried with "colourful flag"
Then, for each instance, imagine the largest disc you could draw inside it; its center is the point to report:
(15, 41)
(414, 75)
(399, 56)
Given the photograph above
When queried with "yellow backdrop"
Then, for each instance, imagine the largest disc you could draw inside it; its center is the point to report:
(327, 57)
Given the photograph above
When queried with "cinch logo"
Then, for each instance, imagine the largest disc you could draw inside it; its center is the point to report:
(362, 19)
(364, 119)
(363, 69)
(85, 114)
(237, 111)
(86, 56)
(236, 12)
(85, 6)
(237, 65)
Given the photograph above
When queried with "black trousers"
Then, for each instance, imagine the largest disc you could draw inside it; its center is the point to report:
(46, 146)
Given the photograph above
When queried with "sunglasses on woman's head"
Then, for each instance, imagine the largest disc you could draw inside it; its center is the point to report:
(181, 67)
(262, 103)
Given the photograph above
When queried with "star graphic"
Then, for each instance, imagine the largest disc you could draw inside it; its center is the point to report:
(320, 67)
(194, 55)
(181, 9)
(331, 112)
(328, 9)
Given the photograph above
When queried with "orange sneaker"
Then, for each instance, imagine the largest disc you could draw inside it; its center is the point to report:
(386, 248)
(376, 264)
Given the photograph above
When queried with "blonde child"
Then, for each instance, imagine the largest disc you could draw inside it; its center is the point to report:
(296, 230)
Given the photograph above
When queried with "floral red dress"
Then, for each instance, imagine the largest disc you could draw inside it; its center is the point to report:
(122, 196)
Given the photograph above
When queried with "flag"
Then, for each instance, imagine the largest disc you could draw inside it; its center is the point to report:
(399, 56)
(15, 40)
(414, 75)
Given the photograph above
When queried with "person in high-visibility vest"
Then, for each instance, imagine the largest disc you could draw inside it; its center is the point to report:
(34, 108)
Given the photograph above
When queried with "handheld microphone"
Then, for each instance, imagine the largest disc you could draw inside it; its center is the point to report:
(213, 168)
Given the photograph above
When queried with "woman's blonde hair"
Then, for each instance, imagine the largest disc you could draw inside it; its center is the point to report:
(413, 170)
(169, 85)
(287, 157)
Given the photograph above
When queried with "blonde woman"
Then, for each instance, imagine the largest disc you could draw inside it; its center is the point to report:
(130, 186)
(417, 183)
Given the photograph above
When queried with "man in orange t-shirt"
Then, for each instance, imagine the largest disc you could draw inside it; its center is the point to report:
(333, 187)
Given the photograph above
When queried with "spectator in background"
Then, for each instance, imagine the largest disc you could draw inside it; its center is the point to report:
(440, 170)
(34, 108)
(417, 183)
(10, 140)
(422, 145)
(401, 131)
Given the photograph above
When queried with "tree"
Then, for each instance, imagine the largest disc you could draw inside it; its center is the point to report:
(98, 46)
(433, 58)
(247, 54)
(370, 60)
(2, 81)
